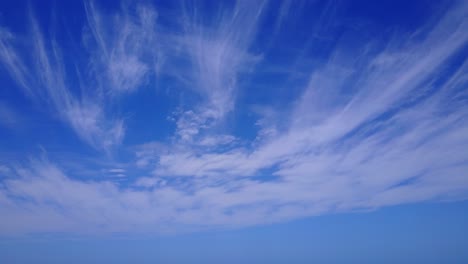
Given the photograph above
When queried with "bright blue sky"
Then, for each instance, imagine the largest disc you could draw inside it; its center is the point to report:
(310, 127)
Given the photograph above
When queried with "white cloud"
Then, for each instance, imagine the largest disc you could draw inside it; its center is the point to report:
(217, 54)
(124, 46)
(149, 182)
(373, 131)
(215, 141)
(43, 77)
(116, 170)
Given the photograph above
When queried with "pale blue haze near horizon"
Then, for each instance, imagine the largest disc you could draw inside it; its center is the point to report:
(233, 131)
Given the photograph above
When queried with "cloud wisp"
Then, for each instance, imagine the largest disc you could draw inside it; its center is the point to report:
(43, 77)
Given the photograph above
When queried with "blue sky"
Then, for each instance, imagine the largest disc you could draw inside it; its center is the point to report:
(182, 123)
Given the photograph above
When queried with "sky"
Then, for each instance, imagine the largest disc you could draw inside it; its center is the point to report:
(233, 131)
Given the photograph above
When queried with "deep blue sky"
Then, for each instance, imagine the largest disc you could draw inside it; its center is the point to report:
(233, 132)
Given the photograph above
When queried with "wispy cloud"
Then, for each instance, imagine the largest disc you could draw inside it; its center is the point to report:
(43, 77)
(377, 125)
(218, 53)
(359, 132)
(123, 49)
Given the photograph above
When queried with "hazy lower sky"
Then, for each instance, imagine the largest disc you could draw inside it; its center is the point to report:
(233, 131)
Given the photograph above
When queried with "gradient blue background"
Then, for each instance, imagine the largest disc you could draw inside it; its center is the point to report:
(427, 232)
